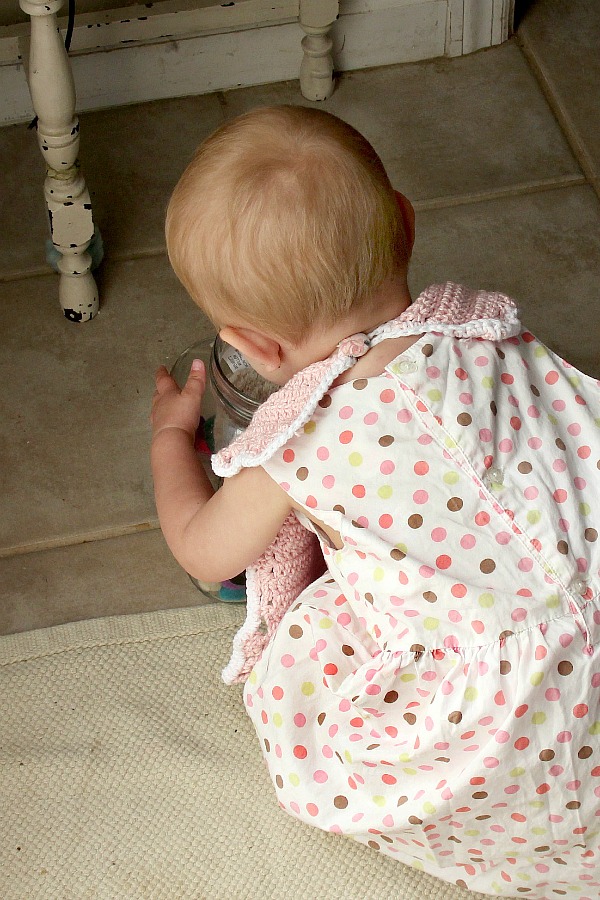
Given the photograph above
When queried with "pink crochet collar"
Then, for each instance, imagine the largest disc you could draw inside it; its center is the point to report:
(448, 309)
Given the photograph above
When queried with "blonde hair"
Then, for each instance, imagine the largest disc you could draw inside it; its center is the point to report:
(285, 219)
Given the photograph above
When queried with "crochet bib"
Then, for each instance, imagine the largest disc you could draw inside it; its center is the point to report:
(294, 560)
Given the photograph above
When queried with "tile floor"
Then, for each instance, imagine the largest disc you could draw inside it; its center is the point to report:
(500, 152)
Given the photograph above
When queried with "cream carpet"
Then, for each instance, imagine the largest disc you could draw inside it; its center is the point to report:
(128, 770)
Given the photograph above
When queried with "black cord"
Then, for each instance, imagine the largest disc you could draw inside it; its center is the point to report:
(68, 36)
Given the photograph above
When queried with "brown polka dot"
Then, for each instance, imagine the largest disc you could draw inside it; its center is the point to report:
(357, 524)
(500, 353)
(482, 818)
(493, 408)
(386, 838)
(419, 649)
(340, 758)
(534, 390)
(524, 468)
(359, 384)
(487, 566)
(505, 667)
(373, 746)
(385, 440)
(430, 596)
(585, 753)
(321, 718)
(279, 781)
(410, 718)
(325, 401)
(464, 419)
(543, 848)
(373, 845)
(455, 839)
(402, 800)
(397, 554)
(547, 755)
(427, 349)
(591, 535)
(479, 795)
(267, 745)
(462, 883)
(565, 667)
(302, 473)
(391, 697)
(560, 444)
(455, 717)
(295, 631)
(562, 547)
(340, 802)
(347, 650)
(415, 820)
(442, 759)
(573, 804)
(415, 521)
(369, 597)
(505, 634)
(340, 509)
(454, 504)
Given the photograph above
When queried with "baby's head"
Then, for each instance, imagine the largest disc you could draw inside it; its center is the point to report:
(285, 221)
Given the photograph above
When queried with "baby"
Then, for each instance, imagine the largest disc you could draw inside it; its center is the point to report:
(435, 694)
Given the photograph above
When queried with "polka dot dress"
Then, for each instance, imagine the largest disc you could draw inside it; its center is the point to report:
(436, 694)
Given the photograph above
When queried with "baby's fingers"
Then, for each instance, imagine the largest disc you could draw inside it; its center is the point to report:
(196, 382)
(163, 380)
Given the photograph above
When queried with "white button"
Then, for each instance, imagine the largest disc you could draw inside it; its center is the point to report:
(580, 586)
(494, 475)
(407, 365)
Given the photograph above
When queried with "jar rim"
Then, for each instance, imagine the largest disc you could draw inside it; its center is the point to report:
(237, 403)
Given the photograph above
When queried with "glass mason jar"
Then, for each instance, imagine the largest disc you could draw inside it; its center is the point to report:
(234, 391)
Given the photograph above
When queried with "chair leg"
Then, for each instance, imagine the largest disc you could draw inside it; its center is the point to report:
(316, 71)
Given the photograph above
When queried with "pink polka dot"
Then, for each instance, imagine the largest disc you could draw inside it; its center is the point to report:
(535, 443)
(580, 711)
(533, 412)
(580, 483)
(518, 614)
(551, 377)
(284, 485)
(505, 378)
(287, 661)
(466, 398)
(525, 564)
(461, 374)
(320, 776)
(424, 440)
(288, 455)
(387, 396)
(505, 446)
(439, 534)
(560, 495)
(574, 429)
(485, 435)
(387, 467)
(300, 752)
(482, 518)
(345, 412)
(404, 416)
(583, 452)
(503, 537)
(564, 737)
(346, 437)
(559, 465)
(386, 521)
(454, 615)
(425, 572)
(277, 692)
(490, 762)
(312, 809)
(531, 493)
(564, 525)
(300, 720)
(323, 453)
(501, 737)
(421, 468)
(558, 405)
(481, 361)
(420, 497)
(359, 491)
(328, 481)
(443, 561)
(468, 541)
(477, 626)
(370, 418)
(311, 501)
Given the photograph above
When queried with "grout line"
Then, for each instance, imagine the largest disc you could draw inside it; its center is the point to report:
(90, 537)
(519, 190)
(557, 106)
(528, 187)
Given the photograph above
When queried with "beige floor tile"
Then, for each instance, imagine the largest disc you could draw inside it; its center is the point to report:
(131, 158)
(446, 127)
(114, 577)
(564, 41)
(75, 401)
(542, 249)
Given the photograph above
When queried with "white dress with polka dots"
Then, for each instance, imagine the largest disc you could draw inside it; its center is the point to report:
(436, 694)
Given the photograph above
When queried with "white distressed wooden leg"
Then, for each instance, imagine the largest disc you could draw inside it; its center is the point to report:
(316, 71)
(68, 200)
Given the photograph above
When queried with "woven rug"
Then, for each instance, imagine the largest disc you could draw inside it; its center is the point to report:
(128, 770)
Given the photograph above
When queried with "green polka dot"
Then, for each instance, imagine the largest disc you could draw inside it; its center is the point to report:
(597, 422)
(574, 380)
(536, 678)
(277, 720)
(429, 808)
(540, 351)
(294, 779)
(378, 800)
(471, 832)
(517, 772)
(417, 864)
(523, 876)
(355, 459)
(404, 757)
(585, 509)
(348, 756)
(595, 729)
(552, 601)
(378, 574)
(401, 547)
(431, 623)
(310, 427)
(471, 693)
(434, 394)
(325, 623)
(253, 677)
(538, 718)
(308, 688)
(486, 600)
(451, 477)
(534, 516)
(539, 831)
(408, 771)
(487, 382)
(408, 676)
(385, 491)
(450, 443)
(552, 419)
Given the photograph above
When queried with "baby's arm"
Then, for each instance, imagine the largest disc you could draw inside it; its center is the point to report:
(213, 535)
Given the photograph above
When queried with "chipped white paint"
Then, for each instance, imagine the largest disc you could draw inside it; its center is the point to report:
(67, 198)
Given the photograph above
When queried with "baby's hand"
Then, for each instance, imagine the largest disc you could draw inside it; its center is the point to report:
(174, 408)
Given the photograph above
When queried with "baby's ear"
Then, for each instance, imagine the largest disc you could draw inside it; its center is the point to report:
(254, 345)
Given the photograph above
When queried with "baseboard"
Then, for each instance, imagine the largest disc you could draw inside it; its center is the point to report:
(175, 49)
